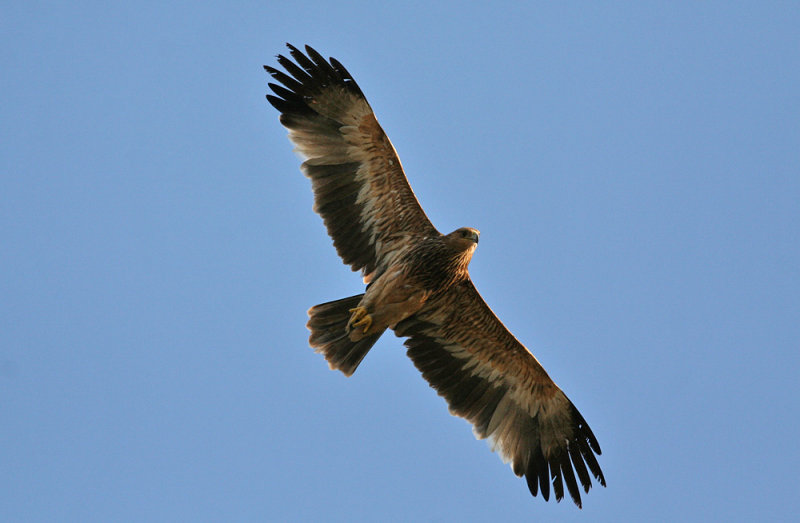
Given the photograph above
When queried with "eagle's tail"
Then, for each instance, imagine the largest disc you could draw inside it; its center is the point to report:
(327, 323)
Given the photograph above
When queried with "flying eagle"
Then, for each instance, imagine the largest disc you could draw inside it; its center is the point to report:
(418, 285)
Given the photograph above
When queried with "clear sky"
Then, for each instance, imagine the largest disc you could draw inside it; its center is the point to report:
(634, 170)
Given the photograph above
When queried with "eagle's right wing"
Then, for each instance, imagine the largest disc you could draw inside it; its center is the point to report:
(360, 189)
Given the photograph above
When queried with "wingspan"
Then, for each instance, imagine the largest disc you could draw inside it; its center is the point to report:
(360, 189)
(489, 378)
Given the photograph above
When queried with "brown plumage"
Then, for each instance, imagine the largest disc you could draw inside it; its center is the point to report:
(419, 285)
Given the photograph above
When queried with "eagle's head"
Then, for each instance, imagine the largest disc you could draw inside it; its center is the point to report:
(464, 239)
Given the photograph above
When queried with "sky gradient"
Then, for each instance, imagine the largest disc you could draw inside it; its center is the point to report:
(634, 170)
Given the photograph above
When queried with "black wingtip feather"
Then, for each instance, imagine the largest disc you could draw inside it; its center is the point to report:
(558, 486)
(580, 469)
(544, 479)
(277, 103)
(320, 62)
(533, 483)
(341, 69)
(591, 462)
(538, 475)
(284, 93)
(296, 71)
(569, 479)
(303, 61)
(347, 78)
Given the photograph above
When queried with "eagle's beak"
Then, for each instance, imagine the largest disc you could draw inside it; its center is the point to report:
(476, 236)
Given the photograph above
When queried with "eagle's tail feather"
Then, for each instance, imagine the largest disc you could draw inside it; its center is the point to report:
(327, 323)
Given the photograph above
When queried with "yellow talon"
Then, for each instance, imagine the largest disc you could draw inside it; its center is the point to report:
(366, 321)
(360, 317)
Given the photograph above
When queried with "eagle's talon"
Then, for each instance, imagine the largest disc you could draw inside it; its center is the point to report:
(358, 318)
(366, 321)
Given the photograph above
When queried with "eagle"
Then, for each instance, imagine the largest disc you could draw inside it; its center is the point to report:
(418, 285)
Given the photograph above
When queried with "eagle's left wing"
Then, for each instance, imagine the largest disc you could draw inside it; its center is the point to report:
(489, 378)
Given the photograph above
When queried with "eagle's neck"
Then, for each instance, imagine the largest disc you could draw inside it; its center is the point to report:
(462, 259)
(437, 265)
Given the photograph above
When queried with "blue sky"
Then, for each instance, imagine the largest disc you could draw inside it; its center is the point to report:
(634, 170)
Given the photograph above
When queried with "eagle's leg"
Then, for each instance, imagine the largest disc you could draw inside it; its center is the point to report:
(359, 317)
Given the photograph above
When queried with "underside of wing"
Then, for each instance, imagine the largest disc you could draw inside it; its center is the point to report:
(493, 381)
(360, 189)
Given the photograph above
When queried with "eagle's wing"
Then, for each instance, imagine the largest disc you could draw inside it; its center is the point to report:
(489, 378)
(360, 189)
